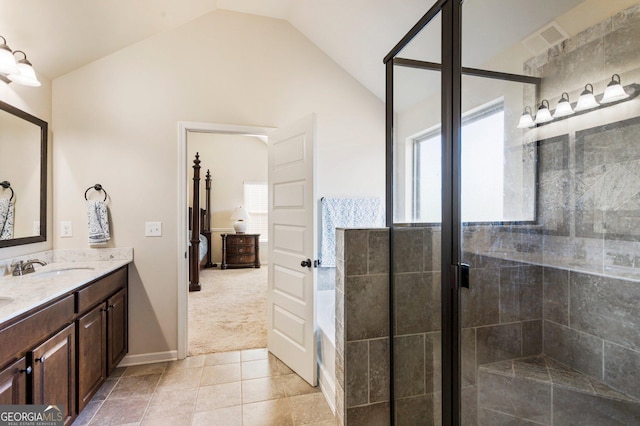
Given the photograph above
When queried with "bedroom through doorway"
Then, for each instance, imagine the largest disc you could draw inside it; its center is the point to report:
(229, 312)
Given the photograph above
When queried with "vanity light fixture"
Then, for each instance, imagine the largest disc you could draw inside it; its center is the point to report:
(20, 71)
(563, 108)
(526, 120)
(543, 115)
(7, 61)
(614, 94)
(614, 91)
(586, 100)
(25, 75)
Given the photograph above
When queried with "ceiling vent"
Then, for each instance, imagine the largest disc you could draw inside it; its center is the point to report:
(545, 38)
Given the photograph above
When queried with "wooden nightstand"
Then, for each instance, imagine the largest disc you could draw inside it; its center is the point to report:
(240, 251)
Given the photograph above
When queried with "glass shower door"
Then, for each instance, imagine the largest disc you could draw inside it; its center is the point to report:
(549, 214)
(416, 230)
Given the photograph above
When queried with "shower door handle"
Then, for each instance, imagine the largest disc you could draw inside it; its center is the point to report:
(464, 275)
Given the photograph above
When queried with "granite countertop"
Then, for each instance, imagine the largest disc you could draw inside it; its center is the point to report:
(49, 282)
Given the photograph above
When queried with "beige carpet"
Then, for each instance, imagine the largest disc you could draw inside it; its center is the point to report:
(230, 312)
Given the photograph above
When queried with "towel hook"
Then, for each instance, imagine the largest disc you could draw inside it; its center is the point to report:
(96, 187)
(6, 185)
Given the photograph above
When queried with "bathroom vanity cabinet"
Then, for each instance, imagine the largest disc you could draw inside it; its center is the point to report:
(102, 332)
(62, 351)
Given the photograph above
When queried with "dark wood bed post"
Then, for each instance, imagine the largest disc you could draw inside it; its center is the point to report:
(206, 229)
(194, 250)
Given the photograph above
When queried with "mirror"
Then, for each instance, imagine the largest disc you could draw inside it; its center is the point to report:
(23, 177)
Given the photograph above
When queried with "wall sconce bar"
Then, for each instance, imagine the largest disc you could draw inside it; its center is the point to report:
(17, 70)
(633, 90)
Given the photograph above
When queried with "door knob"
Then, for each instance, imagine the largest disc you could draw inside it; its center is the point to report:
(306, 263)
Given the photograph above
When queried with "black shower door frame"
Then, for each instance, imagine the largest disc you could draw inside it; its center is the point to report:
(451, 80)
(451, 71)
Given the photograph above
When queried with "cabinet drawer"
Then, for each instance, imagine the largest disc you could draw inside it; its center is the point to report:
(16, 339)
(241, 259)
(101, 289)
(238, 249)
(239, 239)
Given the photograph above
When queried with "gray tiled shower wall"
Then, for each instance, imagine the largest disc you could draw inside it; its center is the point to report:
(362, 326)
(512, 310)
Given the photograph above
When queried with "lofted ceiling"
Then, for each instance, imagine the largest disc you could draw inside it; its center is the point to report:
(62, 35)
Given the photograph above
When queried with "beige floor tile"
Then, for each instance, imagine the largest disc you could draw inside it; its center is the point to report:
(228, 416)
(119, 371)
(144, 369)
(181, 379)
(267, 413)
(254, 354)
(309, 408)
(177, 420)
(294, 385)
(283, 368)
(105, 389)
(222, 358)
(120, 411)
(262, 389)
(188, 362)
(219, 396)
(260, 368)
(87, 413)
(167, 402)
(216, 374)
(133, 386)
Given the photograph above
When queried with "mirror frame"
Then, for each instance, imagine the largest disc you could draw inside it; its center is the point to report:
(43, 176)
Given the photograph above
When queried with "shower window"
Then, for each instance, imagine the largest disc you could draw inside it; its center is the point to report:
(483, 165)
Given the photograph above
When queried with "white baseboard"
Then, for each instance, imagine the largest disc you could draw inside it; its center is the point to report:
(149, 358)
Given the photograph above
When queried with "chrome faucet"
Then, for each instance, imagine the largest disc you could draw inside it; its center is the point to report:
(25, 267)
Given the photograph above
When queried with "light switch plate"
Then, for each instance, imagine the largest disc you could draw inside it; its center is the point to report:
(66, 229)
(153, 229)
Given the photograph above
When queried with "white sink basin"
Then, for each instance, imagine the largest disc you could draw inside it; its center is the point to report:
(5, 301)
(62, 272)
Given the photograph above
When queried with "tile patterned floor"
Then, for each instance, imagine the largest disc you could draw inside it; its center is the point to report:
(244, 388)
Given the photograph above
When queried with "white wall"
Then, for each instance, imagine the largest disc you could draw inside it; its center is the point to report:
(115, 123)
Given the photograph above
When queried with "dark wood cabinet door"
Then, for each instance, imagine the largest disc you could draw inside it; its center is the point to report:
(92, 353)
(13, 383)
(53, 376)
(117, 326)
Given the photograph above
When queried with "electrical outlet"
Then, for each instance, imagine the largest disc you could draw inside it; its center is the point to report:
(153, 229)
(66, 230)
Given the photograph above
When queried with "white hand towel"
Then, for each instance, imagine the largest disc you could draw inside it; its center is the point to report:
(98, 222)
(6, 219)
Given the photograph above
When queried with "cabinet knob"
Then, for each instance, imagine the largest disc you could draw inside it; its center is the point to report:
(41, 359)
(27, 370)
(306, 263)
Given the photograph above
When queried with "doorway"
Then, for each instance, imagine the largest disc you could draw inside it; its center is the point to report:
(184, 130)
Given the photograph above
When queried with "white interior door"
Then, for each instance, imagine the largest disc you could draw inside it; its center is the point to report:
(292, 241)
